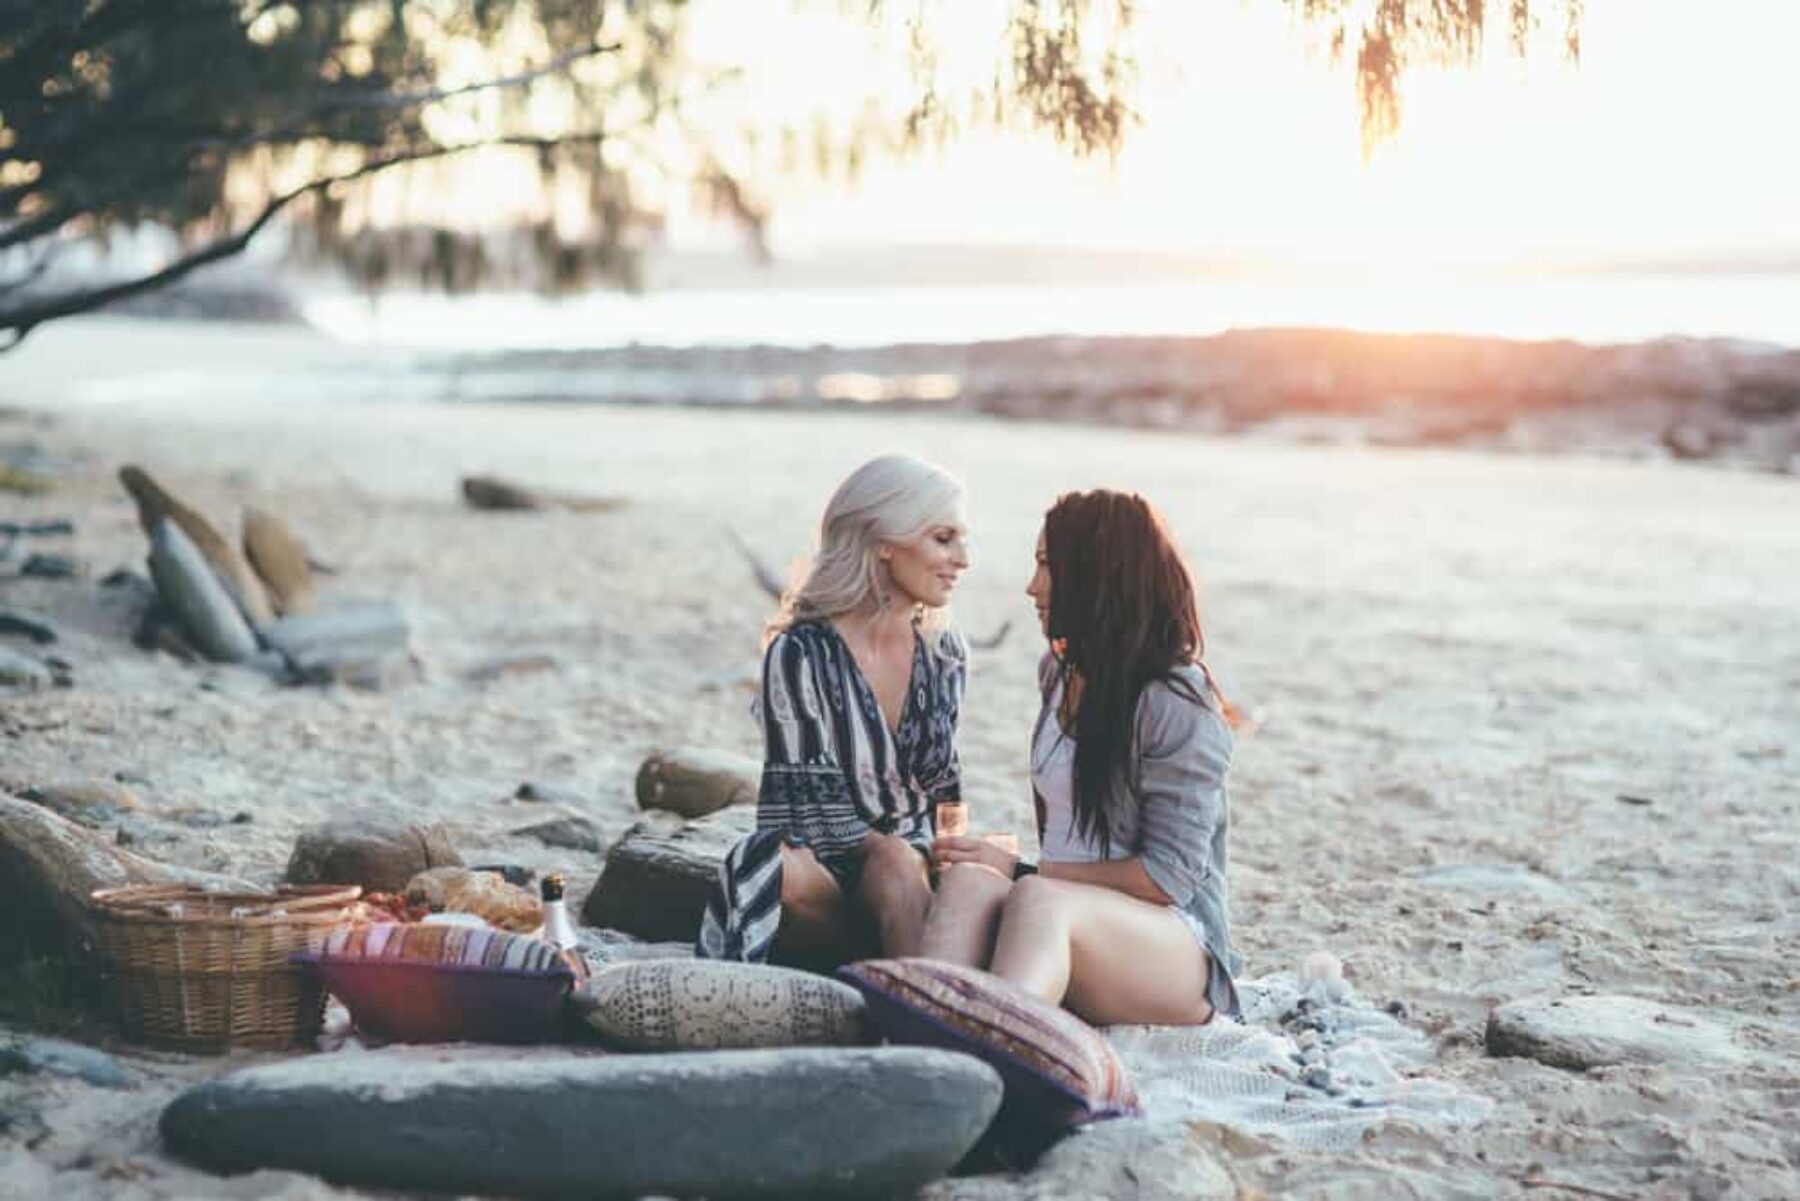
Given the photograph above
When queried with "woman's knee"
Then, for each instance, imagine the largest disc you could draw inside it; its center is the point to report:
(1035, 894)
(888, 859)
(972, 882)
(804, 881)
(893, 875)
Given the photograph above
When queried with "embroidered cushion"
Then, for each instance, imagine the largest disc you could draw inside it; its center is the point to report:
(1059, 1071)
(698, 1004)
(420, 983)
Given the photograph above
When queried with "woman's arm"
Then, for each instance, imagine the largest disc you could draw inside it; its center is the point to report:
(804, 789)
(1184, 753)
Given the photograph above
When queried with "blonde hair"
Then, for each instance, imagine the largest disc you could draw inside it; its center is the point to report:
(894, 498)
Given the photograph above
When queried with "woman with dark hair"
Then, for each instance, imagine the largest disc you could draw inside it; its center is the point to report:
(1126, 917)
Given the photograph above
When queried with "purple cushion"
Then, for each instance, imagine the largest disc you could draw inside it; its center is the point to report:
(1059, 1071)
(427, 984)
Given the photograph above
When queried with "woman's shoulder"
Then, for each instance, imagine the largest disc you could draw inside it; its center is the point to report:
(802, 641)
(1182, 707)
(806, 632)
(951, 647)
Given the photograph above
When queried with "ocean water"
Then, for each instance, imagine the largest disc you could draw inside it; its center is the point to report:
(1594, 308)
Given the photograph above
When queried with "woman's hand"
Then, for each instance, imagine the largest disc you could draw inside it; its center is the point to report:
(951, 849)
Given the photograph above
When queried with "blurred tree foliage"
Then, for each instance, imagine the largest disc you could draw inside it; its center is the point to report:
(211, 118)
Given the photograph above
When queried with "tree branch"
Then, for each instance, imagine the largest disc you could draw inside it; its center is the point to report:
(382, 100)
(292, 130)
(22, 319)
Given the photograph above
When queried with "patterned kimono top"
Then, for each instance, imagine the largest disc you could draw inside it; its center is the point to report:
(833, 772)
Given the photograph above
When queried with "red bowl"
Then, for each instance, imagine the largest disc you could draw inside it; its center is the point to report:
(413, 1001)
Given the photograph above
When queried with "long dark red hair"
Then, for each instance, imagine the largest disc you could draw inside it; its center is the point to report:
(1123, 615)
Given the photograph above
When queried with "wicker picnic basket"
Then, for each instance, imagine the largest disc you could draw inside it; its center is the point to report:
(209, 971)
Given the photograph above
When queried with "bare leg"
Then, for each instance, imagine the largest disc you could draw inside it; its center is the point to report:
(965, 915)
(896, 888)
(1107, 957)
(815, 920)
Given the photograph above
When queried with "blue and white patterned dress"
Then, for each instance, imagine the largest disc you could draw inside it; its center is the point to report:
(833, 772)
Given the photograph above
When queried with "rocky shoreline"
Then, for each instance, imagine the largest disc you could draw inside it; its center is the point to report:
(1732, 403)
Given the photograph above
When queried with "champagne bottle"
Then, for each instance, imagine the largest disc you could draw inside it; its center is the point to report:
(559, 930)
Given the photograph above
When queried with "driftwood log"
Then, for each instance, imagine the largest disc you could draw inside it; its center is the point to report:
(154, 504)
(491, 493)
(280, 560)
(49, 866)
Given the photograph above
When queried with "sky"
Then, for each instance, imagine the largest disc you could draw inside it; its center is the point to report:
(1667, 141)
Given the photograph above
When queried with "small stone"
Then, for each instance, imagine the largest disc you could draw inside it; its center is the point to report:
(510, 667)
(550, 794)
(380, 856)
(695, 781)
(50, 567)
(21, 671)
(59, 1058)
(571, 833)
(18, 623)
(90, 802)
(1579, 1033)
(498, 495)
(126, 579)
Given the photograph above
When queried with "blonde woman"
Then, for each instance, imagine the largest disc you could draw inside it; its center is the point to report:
(862, 687)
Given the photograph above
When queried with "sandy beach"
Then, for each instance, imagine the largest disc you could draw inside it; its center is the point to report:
(1523, 725)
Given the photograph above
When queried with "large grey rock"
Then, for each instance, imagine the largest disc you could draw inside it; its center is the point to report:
(380, 856)
(695, 782)
(657, 877)
(201, 604)
(838, 1121)
(1587, 1032)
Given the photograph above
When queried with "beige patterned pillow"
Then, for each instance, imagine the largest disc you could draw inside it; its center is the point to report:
(699, 1005)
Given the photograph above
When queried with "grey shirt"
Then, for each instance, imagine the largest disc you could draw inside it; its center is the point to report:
(1176, 816)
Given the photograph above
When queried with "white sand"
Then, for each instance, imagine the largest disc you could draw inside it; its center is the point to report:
(1458, 660)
